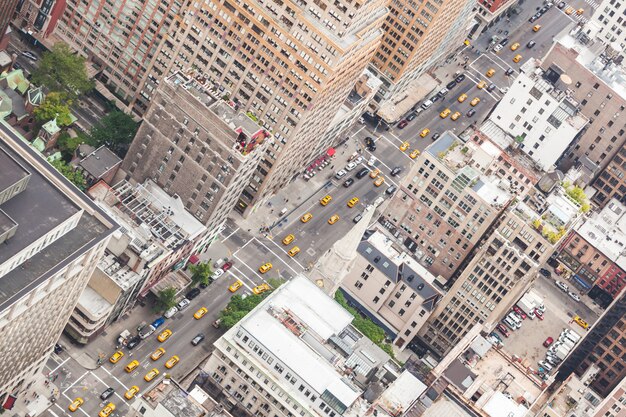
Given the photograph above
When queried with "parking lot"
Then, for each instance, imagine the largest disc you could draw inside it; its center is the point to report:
(527, 342)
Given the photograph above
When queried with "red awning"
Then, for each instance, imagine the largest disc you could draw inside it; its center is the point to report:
(194, 259)
(330, 151)
(8, 404)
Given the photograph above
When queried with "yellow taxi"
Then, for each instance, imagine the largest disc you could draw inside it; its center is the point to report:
(582, 323)
(76, 404)
(445, 113)
(404, 146)
(132, 391)
(131, 366)
(517, 58)
(157, 354)
(260, 289)
(536, 28)
(353, 202)
(165, 334)
(580, 11)
(235, 286)
(514, 46)
(116, 356)
(462, 98)
(288, 239)
(333, 219)
(293, 251)
(171, 362)
(379, 181)
(414, 154)
(474, 101)
(481, 85)
(151, 375)
(569, 11)
(200, 313)
(374, 173)
(455, 116)
(306, 217)
(265, 267)
(325, 200)
(106, 411)
(424, 132)
(490, 72)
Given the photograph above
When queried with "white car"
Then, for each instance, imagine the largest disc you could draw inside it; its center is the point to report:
(574, 296)
(169, 313)
(497, 48)
(563, 286)
(218, 273)
(340, 174)
(358, 160)
(371, 161)
(351, 166)
(183, 304)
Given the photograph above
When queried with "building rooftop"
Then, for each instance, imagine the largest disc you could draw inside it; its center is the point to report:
(122, 274)
(99, 162)
(168, 399)
(380, 251)
(606, 231)
(41, 207)
(93, 302)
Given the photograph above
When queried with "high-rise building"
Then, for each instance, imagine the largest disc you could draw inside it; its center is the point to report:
(450, 198)
(499, 272)
(611, 183)
(490, 12)
(6, 14)
(52, 238)
(417, 36)
(609, 21)
(199, 148)
(596, 83)
(38, 17)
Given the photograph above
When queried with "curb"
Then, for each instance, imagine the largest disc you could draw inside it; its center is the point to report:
(279, 220)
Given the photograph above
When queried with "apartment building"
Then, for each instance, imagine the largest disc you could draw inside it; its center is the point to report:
(52, 238)
(198, 148)
(597, 84)
(500, 271)
(390, 287)
(38, 17)
(417, 36)
(156, 236)
(611, 183)
(450, 198)
(608, 22)
(6, 14)
(595, 254)
(296, 353)
(490, 12)
(539, 114)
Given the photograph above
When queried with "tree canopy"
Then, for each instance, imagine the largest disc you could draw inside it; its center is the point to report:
(63, 70)
(238, 307)
(165, 300)
(76, 177)
(116, 130)
(68, 144)
(201, 274)
(56, 105)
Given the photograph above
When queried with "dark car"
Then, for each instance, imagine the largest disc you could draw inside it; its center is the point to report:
(348, 182)
(545, 272)
(357, 218)
(132, 343)
(504, 41)
(371, 147)
(30, 55)
(543, 9)
(435, 136)
(509, 71)
(459, 78)
(362, 173)
(451, 84)
(533, 18)
(471, 112)
(391, 190)
(396, 171)
(196, 340)
(434, 98)
(58, 348)
(203, 285)
(107, 393)
(531, 44)
(227, 266)
(411, 116)
(491, 87)
(402, 124)
(192, 294)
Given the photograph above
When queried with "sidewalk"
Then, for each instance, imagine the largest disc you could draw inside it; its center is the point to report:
(297, 193)
(36, 399)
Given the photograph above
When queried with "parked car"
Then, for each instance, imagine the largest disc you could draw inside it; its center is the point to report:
(411, 116)
(539, 314)
(573, 296)
(545, 272)
(451, 84)
(217, 273)
(348, 182)
(341, 173)
(357, 218)
(497, 48)
(227, 266)
(350, 166)
(519, 312)
(509, 71)
(563, 286)
(183, 304)
(548, 342)
(192, 294)
(30, 55)
(133, 342)
(502, 329)
(459, 78)
(435, 136)
(392, 189)
(545, 365)
(403, 124)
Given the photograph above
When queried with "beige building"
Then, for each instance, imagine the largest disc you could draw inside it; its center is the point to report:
(52, 238)
(500, 271)
(450, 198)
(391, 288)
(199, 149)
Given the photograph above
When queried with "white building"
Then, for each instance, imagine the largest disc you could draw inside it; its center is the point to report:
(608, 24)
(538, 117)
(296, 353)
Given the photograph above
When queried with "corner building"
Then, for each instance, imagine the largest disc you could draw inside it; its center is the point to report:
(289, 64)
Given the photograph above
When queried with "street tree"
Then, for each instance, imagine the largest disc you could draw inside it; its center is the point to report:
(76, 177)
(63, 70)
(165, 300)
(56, 105)
(201, 273)
(116, 131)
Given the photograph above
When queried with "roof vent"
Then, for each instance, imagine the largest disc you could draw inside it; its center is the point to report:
(410, 278)
(420, 287)
(376, 259)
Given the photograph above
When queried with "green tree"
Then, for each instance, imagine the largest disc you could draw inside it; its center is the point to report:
(116, 130)
(68, 144)
(63, 70)
(76, 177)
(165, 300)
(56, 105)
(238, 307)
(201, 274)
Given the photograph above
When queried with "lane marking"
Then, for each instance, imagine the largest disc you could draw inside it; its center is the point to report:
(234, 231)
(244, 245)
(285, 252)
(244, 276)
(107, 385)
(74, 383)
(60, 365)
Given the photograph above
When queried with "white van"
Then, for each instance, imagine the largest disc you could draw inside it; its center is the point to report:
(572, 335)
(427, 104)
(512, 325)
(514, 319)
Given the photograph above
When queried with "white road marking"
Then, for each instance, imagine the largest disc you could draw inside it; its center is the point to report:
(74, 383)
(244, 245)
(277, 256)
(107, 385)
(244, 276)
(283, 250)
(252, 269)
(59, 365)
(234, 231)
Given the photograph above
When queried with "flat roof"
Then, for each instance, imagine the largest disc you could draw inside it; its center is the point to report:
(10, 170)
(38, 209)
(606, 231)
(92, 301)
(99, 162)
